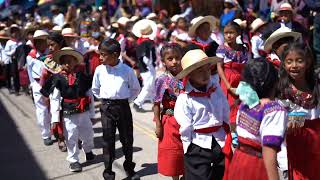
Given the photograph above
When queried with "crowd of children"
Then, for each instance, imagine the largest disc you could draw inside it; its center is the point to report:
(233, 99)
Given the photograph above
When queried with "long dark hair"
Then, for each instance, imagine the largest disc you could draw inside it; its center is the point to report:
(58, 38)
(311, 77)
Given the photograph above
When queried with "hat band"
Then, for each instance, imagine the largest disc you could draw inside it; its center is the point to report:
(285, 9)
(70, 34)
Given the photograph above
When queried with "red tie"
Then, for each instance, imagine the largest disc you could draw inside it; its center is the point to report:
(203, 94)
(71, 79)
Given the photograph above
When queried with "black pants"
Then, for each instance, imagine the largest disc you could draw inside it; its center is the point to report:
(204, 164)
(116, 114)
(12, 72)
(15, 75)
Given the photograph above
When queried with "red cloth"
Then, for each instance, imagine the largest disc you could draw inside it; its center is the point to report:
(304, 152)
(94, 62)
(170, 149)
(232, 71)
(23, 77)
(58, 131)
(141, 39)
(245, 166)
(83, 102)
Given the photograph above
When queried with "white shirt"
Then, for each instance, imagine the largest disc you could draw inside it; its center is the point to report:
(58, 19)
(117, 82)
(257, 44)
(34, 67)
(9, 50)
(201, 112)
(1, 53)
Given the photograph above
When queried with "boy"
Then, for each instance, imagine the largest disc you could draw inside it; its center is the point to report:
(115, 84)
(202, 111)
(71, 97)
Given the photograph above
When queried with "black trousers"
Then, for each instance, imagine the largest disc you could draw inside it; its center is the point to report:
(204, 164)
(116, 114)
(12, 72)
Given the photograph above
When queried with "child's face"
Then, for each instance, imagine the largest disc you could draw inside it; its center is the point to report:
(230, 35)
(296, 65)
(106, 58)
(203, 31)
(181, 24)
(200, 77)
(53, 46)
(172, 61)
(285, 16)
(68, 63)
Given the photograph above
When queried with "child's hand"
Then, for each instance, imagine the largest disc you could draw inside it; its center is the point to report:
(159, 131)
(233, 91)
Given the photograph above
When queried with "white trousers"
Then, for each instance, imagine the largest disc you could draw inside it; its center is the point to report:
(148, 89)
(42, 111)
(78, 126)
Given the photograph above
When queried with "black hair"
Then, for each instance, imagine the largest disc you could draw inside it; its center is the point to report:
(311, 76)
(58, 38)
(281, 41)
(235, 26)
(173, 46)
(110, 46)
(261, 75)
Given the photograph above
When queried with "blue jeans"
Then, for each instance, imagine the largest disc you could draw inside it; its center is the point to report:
(316, 39)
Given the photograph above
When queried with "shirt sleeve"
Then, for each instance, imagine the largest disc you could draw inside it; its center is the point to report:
(134, 85)
(10, 49)
(182, 113)
(273, 127)
(96, 84)
(91, 105)
(159, 83)
(55, 105)
(29, 68)
(221, 52)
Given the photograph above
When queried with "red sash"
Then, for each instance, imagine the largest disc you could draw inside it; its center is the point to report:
(83, 102)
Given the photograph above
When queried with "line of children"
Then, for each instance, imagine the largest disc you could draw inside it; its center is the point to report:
(170, 150)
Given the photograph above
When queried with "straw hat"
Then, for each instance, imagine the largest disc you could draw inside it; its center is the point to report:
(69, 32)
(57, 28)
(256, 24)
(14, 26)
(285, 7)
(193, 60)
(145, 28)
(242, 23)
(175, 18)
(134, 18)
(151, 16)
(123, 21)
(3, 35)
(67, 51)
(28, 28)
(40, 34)
(196, 22)
(282, 32)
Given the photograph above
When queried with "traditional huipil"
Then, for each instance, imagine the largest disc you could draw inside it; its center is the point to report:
(262, 125)
(303, 145)
(170, 149)
(233, 63)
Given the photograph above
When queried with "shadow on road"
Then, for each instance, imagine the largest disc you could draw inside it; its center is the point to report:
(16, 160)
(149, 169)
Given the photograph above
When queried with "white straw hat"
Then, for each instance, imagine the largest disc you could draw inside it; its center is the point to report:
(69, 32)
(196, 22)
(40, 34)
(282, 32)
(285, 7)
(241, 23)
(57, 28)
(193, 60)
(145, 28)
(175, 18)
(151, 16)
(67, 51)
(123, 21)
(257, 23)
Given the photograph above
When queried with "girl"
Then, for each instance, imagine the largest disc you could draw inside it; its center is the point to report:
(55, 43)
(170, 150)
(260, 127)
(299, 91)
(233, 57)
(181, 29)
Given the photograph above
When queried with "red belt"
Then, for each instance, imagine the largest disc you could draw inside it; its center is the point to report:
(227, 151)
(83, 102)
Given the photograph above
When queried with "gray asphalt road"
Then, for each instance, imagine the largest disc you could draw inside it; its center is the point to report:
(23, 155)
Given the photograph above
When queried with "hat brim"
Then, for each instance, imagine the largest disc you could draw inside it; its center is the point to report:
(76, 54)
(43, 37)
(71, 35)
(207, 19)
(4, 37)
(272, 39)
(188, 70)
(136, 30)
(258, 26)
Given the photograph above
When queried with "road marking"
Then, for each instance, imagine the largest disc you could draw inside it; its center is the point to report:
(146, 131)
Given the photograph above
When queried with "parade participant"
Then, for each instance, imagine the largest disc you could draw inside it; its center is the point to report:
(260, 127)
(257, 42)
(55, 43)
(71, 98)
(181, 29)
(34, 67)
(73, 40)
(299, 87)
(8, 58)
(233, 57)
(146, 31)
(115, 109)
(201, 30)
(202, 112)
(170, 150)
(277, 42)
(3, 40)
(58, 17)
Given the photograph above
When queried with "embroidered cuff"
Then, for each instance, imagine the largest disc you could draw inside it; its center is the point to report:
(274, 141)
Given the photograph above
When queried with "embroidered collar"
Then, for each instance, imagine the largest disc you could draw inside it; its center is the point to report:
(208, 41)
(303, 99)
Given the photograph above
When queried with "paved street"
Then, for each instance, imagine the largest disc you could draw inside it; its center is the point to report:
(23, 155)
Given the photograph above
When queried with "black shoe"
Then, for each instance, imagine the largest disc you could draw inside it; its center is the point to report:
(75, 167)
(132, 175)
(47, 142)
(138, 109)
(90, 156)
(109, 175)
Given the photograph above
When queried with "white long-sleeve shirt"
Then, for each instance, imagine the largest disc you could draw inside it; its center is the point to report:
(201, 112)
(9, 50)
(58, 19)
(117, 82)
(257, 44)
(34, 67)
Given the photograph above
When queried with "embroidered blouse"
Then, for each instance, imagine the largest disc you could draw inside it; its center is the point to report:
(230, 55)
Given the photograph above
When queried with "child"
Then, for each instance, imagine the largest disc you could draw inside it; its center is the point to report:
(257, 42)
(300, 94)
(170, 150)
(3, 40)
(115, 109)
(260, 127)
(203, 115)
(71, 98)
(277, 42)
(181, 29)
(233, 56)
